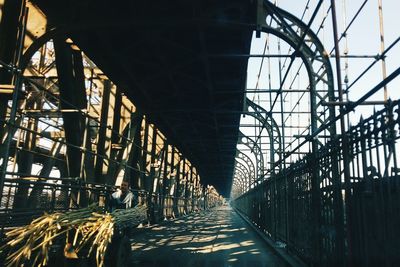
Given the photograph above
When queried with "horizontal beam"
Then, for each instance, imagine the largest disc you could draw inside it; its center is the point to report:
(338, 103)
(264, 91)
(6, 88)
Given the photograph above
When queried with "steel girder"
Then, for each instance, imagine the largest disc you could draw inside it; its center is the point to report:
(248, 161)
(241, 182)
(8, 51)
(243, 176)
(239, 166)
(271, 127)
(256, 149)
(309, 48)
(284, 25)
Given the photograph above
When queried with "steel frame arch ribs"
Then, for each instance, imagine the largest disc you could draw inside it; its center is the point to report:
(256, 149)
(271, 19)
(248, 161)
(242, 176)
(272, 129)
(241, 169)
(241, 181)
(239, 166)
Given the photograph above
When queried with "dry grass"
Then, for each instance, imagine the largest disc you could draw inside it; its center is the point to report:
(91, 229)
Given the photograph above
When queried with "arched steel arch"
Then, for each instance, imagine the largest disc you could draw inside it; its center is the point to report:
(36, 45)
(238, 178)
(237, 187)
(241, 167)
(272, 129)
(256, 149)
(284, 25)
(248, 161)
(242, 178)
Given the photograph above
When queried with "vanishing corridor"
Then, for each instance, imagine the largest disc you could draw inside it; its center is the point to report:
(216, 238)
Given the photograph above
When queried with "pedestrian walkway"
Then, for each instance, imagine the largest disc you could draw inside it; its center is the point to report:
(211, 239)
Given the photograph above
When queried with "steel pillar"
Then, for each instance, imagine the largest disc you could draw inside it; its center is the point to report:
(69, 69)
(105, 132)
(11, 11)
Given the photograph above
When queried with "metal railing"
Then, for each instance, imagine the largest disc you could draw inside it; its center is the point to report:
(337, 223)
(25, 199)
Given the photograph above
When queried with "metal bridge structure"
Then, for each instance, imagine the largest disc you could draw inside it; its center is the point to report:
(288, 111)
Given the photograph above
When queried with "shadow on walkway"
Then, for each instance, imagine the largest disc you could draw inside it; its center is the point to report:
(215, 238)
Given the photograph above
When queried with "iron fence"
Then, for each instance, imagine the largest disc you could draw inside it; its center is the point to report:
(328, 216)
(24, 199)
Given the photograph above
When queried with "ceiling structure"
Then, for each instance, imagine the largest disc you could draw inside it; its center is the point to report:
(183, 63)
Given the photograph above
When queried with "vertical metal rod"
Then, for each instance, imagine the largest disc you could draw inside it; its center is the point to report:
(165, 168)
(191, 188)
(17, 84)
(345, 148)
(84, 144)
(283, 146)
(164, 179)
(153, 159)
(87, 171)
(143, 179)
(382, 39)
(19, 138)
(346, 60)
(392, 205)
(102, 135)
(172, 177)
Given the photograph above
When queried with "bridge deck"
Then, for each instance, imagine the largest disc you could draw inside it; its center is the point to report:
(216, 238)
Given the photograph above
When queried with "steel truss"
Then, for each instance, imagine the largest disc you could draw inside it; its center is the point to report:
(71, 119)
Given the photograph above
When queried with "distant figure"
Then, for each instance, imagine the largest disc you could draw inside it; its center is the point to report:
(122, 198)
